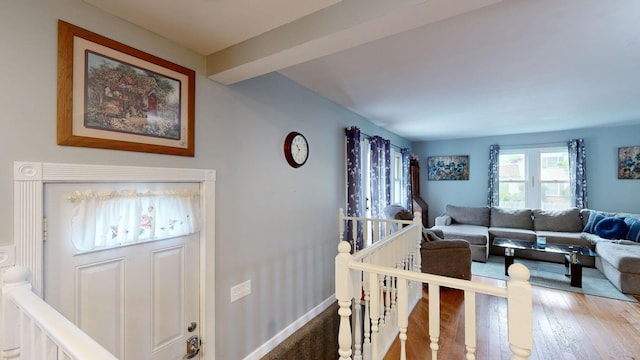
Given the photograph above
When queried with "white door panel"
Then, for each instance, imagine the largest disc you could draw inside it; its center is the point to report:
(135, 300)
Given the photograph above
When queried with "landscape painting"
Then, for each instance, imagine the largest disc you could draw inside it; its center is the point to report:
(116, 97)
(448, 167)
(125, 98)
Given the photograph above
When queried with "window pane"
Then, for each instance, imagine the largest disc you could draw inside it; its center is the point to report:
(555, 196)
(512, 195)
(512, 167)
(554, 166)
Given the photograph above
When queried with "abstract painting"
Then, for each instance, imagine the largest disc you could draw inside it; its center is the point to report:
(448, 167)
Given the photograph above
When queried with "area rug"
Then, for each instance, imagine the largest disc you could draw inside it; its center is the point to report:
(552, 275)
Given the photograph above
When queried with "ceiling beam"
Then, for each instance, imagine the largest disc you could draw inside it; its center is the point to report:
(339, 27)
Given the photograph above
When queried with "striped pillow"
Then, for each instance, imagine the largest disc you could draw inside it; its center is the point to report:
(634, 228)
(594, 218)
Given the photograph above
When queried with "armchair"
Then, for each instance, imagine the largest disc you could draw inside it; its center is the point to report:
(451, 257)
(444, 257)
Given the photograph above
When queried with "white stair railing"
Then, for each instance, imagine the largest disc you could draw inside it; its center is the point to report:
(384, 282)
(34, 330)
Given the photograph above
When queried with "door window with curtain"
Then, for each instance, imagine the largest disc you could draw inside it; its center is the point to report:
(107, 219)
(534, 178)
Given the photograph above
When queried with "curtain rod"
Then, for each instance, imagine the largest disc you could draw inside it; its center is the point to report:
(369, 137)
(524, 146)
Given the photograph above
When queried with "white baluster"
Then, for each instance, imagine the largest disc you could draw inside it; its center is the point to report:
(366, 347)
(403, 316)
(341, 224)
(375, 314)
(434, 319)
(470, 337)
(357, 355)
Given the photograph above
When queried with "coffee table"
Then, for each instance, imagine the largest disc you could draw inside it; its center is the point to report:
(573, 267)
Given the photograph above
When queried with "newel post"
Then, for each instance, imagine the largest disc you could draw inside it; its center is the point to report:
(344, 295)
(519, 312)
(14, 278)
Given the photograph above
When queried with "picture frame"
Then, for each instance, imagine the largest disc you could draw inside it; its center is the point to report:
(629, 163)
(113, 96)
(454, 167)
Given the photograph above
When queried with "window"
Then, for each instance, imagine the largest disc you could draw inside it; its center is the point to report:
(398, 193)
(534, 178)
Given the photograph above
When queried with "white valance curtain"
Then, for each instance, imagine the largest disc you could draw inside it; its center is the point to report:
(116, 218)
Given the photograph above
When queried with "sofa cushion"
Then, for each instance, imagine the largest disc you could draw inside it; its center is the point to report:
(567, 220)
(567, 238)
(611, 228)
(511, 218)
(625, 258)
(469, 215)
(512, 233)
(474, 234)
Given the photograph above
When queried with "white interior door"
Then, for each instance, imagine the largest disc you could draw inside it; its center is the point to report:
(139, 300)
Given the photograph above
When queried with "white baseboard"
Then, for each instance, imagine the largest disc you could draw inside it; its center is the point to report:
(271, 344)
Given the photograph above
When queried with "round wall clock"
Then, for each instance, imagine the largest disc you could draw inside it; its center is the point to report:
(296, 149)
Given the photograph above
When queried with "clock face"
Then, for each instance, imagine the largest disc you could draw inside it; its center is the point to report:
(296, 149)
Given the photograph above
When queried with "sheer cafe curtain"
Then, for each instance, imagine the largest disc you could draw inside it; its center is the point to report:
(109, 219)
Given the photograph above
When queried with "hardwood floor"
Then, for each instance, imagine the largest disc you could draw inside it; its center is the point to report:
(566, 325)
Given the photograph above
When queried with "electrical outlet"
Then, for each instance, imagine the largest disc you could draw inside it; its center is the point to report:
(241, 290)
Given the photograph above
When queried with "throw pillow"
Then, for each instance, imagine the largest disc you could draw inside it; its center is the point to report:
(594, 218)
(611, 228)
(634, 229)
(404, 215)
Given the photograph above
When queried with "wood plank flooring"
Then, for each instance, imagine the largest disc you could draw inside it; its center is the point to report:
(566, 325)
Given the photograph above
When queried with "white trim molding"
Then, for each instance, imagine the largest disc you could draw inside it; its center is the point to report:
(30, 178)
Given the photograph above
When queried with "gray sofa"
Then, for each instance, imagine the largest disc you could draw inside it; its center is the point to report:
(618, 259)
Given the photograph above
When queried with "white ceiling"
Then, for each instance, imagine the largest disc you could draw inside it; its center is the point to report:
(425, 69)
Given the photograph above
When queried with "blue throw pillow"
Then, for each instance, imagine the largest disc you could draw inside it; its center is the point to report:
(634, 228)
(594, 218)
(611, 228)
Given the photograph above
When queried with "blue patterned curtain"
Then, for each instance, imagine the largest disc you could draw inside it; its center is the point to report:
(354, 183)
(380, 175)
(578, 173)
(493, 198)
(406, 175)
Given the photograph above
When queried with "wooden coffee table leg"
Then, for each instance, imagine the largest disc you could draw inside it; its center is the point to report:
(573, 270)
(508, 259)
(576, 274)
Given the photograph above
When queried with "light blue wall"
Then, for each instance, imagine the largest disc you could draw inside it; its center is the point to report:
(275, 225)
(605, 191)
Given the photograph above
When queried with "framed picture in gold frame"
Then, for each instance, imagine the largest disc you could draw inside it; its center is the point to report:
(113, 96)
(629, 163)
